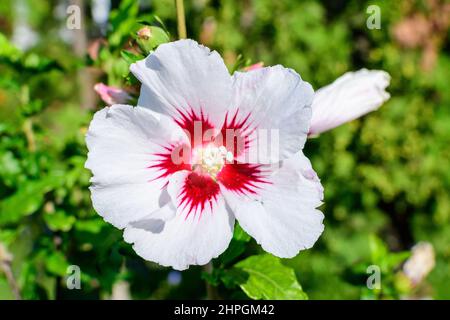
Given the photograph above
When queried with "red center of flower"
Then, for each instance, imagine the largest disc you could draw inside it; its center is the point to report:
(210, 161)
(197, 192)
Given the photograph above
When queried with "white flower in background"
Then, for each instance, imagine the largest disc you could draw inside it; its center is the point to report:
(349, 97)
(181, 213)
(23, 37)
(100, 12)
(421, 262)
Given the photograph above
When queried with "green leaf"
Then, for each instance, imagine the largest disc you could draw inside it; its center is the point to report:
(378, 249)
(9, 168)
(237, 245)
(395, 259)
(269, 279)
(27, 200)
(157, 36)
(57, 263)
(127, 10)
(92, 226)
(122, 21)
(59, 221)
(233, 277)
(32, 108)
(36, 64)
(130, 57)
(214, 277)
(239, 64)
(8, 50)
(239, 234)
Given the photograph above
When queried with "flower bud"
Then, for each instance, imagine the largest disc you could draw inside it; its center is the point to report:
(255, 66)
(144, 33)
(112, 95)
(421, 262)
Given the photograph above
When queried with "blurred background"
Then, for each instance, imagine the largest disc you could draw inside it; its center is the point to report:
(386, 176)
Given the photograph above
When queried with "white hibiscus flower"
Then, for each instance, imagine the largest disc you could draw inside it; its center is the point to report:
(182, 213)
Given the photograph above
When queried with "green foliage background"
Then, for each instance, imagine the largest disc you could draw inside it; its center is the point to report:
(386, 174)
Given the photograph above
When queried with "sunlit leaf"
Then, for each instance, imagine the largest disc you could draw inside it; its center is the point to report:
(57, 263)
(269, 279)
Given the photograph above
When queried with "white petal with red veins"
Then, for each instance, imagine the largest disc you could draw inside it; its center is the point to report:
(283, 217)
(183, 77)
(349, 97)
(189, 238)
(273, 100)
(122, 142)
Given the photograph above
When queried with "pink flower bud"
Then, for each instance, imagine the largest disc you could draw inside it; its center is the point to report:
(112, 95)
(255, 66)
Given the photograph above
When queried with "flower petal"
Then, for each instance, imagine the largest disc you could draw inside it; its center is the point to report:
(122, 143)
(185, 80)
(349, 97)
(243, 178)
(272, 109)
(283, 217)
(187, 239)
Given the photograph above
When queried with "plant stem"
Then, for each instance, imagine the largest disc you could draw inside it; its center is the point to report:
(181, 19)
(29, 134)
(6, 268)
(211, 291)
(28, 123)
(85, 76)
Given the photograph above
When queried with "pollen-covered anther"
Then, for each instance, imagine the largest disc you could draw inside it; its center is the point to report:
(210, 159)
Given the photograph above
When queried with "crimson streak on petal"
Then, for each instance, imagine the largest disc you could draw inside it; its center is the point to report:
(197, 192)
(171, 160)
(236, 133)
(195, 125)
(242, 178)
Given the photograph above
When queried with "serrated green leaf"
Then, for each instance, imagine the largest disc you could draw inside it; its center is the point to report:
(269, 279)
